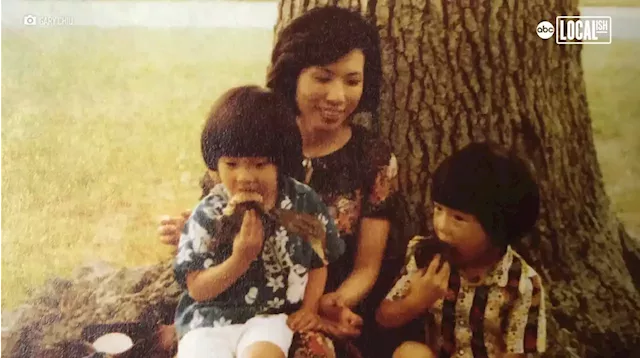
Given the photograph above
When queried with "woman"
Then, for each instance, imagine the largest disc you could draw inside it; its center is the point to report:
(327, 64)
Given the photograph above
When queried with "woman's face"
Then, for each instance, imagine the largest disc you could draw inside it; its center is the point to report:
(328, 95)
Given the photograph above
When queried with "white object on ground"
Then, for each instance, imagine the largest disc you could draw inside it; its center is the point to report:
(113, 343)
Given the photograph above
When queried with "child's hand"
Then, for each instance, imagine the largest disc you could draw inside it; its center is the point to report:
(304, 320)
(248, 243)
(429, 287)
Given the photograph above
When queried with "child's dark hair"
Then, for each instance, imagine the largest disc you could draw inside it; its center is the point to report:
(320, 37)
(495, 186)
(250, 121)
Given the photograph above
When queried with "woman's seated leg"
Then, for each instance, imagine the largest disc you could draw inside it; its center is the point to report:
(412, 349)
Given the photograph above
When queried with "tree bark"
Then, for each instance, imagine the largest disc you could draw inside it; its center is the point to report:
(461, 71)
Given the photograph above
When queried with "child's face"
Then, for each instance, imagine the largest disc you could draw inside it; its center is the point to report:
(463, 231)
(250, 175)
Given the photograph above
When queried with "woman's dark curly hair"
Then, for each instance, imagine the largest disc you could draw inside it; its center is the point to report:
(320, 37)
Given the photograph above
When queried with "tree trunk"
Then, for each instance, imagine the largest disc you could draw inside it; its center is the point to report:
(461, 71)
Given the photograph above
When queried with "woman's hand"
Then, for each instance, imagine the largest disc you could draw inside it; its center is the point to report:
(331, 305)
(348, 318)
(171, 227)
(340, 320)
(304, 320)
(339, 329)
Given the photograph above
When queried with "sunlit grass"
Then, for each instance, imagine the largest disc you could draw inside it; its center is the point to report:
(100, 135)
(613, 83)
(631, 3)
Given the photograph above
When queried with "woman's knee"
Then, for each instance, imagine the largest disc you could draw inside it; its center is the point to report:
(263, 349)
(413, 350)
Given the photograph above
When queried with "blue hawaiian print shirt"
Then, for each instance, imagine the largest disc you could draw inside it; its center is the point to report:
(274, 283)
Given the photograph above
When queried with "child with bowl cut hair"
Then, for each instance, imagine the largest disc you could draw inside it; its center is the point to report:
(477, 296)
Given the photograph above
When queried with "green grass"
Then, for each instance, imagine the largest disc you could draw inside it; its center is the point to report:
(623, 3)
(612, 74)
(608, 3)
(100, 137)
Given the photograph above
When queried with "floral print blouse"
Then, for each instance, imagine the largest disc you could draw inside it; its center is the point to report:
(358, 180)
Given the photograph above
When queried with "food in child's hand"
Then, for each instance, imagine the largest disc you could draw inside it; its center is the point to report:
(308, 226)
(427, 249)
(242, 202)
(229, 224)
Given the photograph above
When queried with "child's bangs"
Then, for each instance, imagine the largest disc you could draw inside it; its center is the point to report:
(251, 122)
(257, 140)
(247, 148)
(457, 188)
(457, 197)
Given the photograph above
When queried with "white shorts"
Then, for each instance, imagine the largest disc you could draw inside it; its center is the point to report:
(231, 341)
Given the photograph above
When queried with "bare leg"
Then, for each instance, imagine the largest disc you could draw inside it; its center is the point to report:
(263, 349)
(413, 350)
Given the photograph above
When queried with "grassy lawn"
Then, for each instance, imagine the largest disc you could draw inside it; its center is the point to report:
(623, 3)
(612, 74)
(98, 137)
(608, 3)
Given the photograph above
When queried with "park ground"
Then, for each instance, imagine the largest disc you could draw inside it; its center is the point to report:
(620, 3)
(100, 137)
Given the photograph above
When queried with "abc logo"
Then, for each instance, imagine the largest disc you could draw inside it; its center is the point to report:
(545, 30)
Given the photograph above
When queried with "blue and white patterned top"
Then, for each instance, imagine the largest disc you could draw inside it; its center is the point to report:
(274, 283)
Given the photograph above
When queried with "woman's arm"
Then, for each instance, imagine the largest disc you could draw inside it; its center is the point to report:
(372, 241)
(374, 225)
